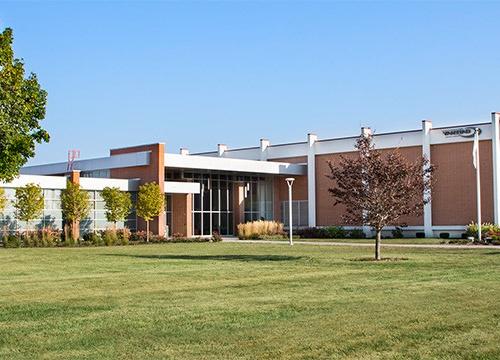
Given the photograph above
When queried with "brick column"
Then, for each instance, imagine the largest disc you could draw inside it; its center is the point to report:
(154, 172)
(182, 215)
(238, 204)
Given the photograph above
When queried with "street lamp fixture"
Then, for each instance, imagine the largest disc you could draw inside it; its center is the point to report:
(290, 181)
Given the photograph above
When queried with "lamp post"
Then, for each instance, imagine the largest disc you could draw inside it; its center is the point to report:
(475, 162)
(290, 181)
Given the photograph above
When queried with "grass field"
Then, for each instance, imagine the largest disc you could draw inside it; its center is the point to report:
(248, 301)
(384, 241)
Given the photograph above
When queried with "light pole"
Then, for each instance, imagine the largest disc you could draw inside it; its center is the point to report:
(290, 181)
(475, 162)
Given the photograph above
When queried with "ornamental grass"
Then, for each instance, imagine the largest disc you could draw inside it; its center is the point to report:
(259, 229)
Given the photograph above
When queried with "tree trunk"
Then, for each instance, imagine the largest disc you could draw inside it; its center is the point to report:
(147, 231)
(75, 230)
(377, 244)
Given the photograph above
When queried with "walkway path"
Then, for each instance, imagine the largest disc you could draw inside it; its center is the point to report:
(324, 243)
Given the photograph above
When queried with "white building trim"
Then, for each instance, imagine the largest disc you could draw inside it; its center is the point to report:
(264, 145)
(426, 153)
(495, 146)
(311, 178)
(45, 182)
(177, 187)
(111, 162)
(99, 184)
(236, 165)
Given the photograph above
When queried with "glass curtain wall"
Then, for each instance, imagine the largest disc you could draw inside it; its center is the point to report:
(258, 200)
(213, 207)
(51, 216)
(168, 214)
(97, 217)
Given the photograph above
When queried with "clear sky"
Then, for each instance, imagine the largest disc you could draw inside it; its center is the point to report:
(201, 73)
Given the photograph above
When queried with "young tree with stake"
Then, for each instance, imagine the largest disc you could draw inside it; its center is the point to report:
(75, 204)
(29, 203)
(117, 204)
(378, 188)
(150, 203)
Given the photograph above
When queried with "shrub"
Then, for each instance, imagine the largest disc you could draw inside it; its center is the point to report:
(356, 234)
(30, 239)
(335, 232)
(11, 241)
(216, 237)
(444, 235)
(397, 233)
(139, 236)
(487, 230)
(93, 239)
(123, 236)
(313, 233)
(187, 240)
(110, 237)
(255, 229)
(495, 241)
(49, 237)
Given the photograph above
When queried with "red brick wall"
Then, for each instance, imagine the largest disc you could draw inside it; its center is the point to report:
(454, 193)
(155, 171)
(326, 213)
(281, 187)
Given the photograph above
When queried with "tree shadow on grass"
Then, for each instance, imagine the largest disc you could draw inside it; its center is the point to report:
(213, 257)
(372, 259)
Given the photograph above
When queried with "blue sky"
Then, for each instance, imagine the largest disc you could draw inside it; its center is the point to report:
(195, 74)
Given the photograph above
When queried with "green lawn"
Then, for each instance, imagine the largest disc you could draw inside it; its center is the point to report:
(384, 241)
(248, 301)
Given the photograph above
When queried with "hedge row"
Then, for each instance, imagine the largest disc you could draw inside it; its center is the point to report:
(52, 238)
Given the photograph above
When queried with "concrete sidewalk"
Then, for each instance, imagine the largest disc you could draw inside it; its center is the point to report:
(324, 243)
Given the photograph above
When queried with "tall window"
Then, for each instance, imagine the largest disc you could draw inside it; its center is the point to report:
(51, 216)
(258, 194)
(97, 216)
(299, 213)
(213, 207)
(168, 213)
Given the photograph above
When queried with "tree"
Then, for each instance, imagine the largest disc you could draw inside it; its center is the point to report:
(22, 107)
(378, 188)
(150, 203)
(117, 204)
(29, 203)
(75, 205)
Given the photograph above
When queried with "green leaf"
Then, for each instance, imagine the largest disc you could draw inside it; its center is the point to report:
(22, 108)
